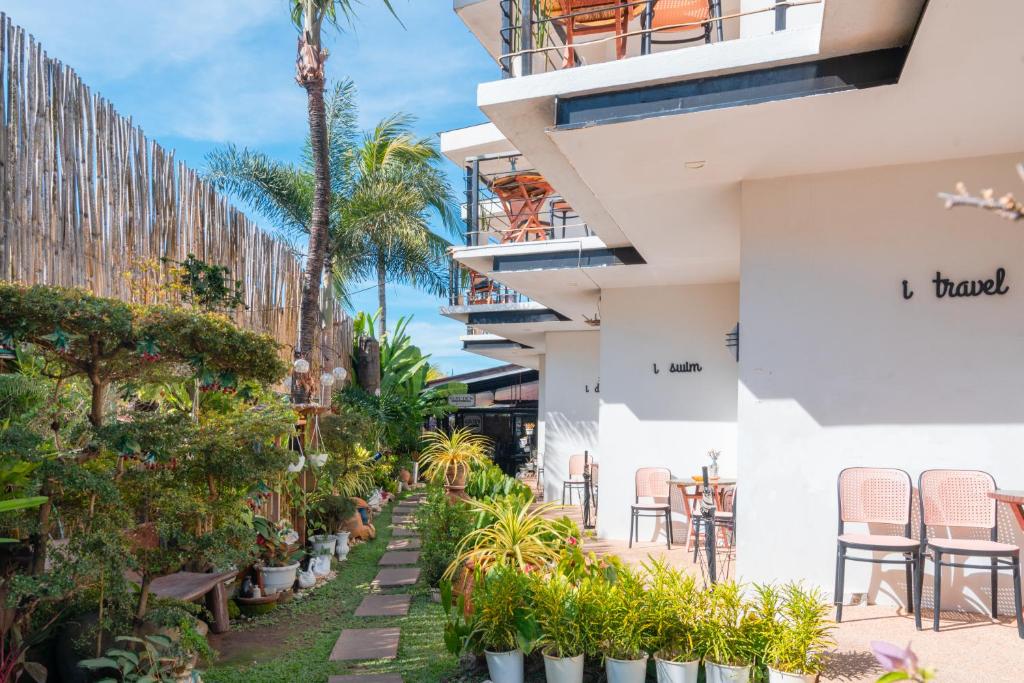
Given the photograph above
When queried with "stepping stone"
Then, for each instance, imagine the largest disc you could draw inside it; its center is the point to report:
(405, 509)
(366, 643)
(404, 544)
(397, 557)
(384, 605)
(366, 678)
(403, 532)
(394, 578)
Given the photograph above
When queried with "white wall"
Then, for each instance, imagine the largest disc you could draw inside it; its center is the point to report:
(570, 411)
(838, 370)
(665, 419)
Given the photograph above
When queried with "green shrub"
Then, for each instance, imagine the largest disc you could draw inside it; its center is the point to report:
(800, 631)
(566, 612)
(489, 482)
(442, 525)
(626, 630)
(676, 606)
(503, 613)
(730, 630)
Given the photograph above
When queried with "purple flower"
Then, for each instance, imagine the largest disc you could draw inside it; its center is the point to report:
(895, 658)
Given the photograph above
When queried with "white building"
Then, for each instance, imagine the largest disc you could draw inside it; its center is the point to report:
(782, 177)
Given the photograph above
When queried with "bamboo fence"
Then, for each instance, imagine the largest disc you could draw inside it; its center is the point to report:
(86, 200)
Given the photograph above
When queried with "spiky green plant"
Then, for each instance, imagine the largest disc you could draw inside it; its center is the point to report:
(448, 457)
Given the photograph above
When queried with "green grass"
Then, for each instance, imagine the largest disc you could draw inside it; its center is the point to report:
(311, 626)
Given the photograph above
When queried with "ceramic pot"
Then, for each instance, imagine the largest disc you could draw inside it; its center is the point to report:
(341, 547)
(721, 673)
(626, 670)
(323, 545)
(505, 667)
(321, 565)
(783, 677)
(277, 579)
(563, 669)
(677, 672)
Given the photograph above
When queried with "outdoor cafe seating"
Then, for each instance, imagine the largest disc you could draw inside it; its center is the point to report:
(652, 485)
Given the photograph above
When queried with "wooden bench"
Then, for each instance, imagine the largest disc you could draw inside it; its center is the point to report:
(190, 586)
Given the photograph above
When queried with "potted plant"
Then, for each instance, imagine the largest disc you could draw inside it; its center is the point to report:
(565, 612)
(801, 633)
(504, 624)
(447, 457)
(625, 627)
(278, 554)
(676, 607)
(728, 634)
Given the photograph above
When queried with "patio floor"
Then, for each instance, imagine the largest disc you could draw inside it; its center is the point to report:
(970, 648)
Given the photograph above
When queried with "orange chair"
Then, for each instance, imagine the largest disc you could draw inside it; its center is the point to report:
(674, 16)
(606, 16)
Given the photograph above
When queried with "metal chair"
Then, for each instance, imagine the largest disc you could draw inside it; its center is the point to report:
(875, 495)
(673, 16)
(652, 483)
(959, 498)
(575, 481)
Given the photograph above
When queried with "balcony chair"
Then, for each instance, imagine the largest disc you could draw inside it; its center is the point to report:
(959, 499)
(873, 495)
(482, 289)
(651, 483)
(675, 16)
(575, 481)
(605, 16)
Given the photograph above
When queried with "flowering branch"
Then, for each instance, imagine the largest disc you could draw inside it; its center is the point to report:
(1006, 206)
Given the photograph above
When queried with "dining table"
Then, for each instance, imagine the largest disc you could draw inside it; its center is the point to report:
(1015, 499)
(719, 487)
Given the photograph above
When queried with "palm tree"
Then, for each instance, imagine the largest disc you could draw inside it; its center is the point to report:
(396, 181)
(384, 184)
(309, 17)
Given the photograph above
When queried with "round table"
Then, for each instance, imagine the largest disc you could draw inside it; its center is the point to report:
(1015, 499)
(718, 487)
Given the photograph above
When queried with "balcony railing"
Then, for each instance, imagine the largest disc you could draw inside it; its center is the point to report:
(466, 287)
(547, 35)
(507, 203)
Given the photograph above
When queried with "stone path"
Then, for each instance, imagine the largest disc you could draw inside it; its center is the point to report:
(384, 605)
(395, 578)
(398, 557)
(404, 544)
(357, 644)
(366, 643)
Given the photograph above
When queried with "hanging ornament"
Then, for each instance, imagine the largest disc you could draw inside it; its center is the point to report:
(60, 339)
(301, 366)
(148, 350)
(340, 374)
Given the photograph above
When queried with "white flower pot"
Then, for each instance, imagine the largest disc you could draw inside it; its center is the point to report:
(277, 579)
(783, 677)
(307, 579)
(626, 670)
(563, 669)
(677, 672)
(323, 545)
(341, 548)
(722, 673)
(321, 565)
(505, 667)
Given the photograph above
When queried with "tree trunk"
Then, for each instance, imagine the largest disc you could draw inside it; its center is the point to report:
(43, 533)
(368, 364)
(140, 613)
(382, 297)
(99, 391)
(310, 75)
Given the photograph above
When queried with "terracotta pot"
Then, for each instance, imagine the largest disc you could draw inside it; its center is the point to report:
(404, 476)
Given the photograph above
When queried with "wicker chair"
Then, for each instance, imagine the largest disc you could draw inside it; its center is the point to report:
(604, 16)
(651, 483)
(675, 16)
(575, 482)
(874, 495)
(959, 499)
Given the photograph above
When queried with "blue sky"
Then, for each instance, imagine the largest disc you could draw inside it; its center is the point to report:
(196, 74)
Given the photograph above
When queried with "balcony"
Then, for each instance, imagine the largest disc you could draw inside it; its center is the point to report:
(507, 202)
(537, 36)
(467, 287)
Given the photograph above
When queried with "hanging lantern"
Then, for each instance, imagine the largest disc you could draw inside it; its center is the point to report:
(339, 373)
(301, 366)
(327, 379)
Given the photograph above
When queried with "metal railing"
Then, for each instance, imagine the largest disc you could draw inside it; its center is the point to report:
(508, 204)
(466, 287)
(545, 35)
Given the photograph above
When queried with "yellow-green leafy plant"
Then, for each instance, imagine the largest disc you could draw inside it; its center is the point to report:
(801, 632)
(626, 628)
(567, 614)
(729, 630)
(518, 535)
(676, 606)
(448, 457)
(503, 616)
